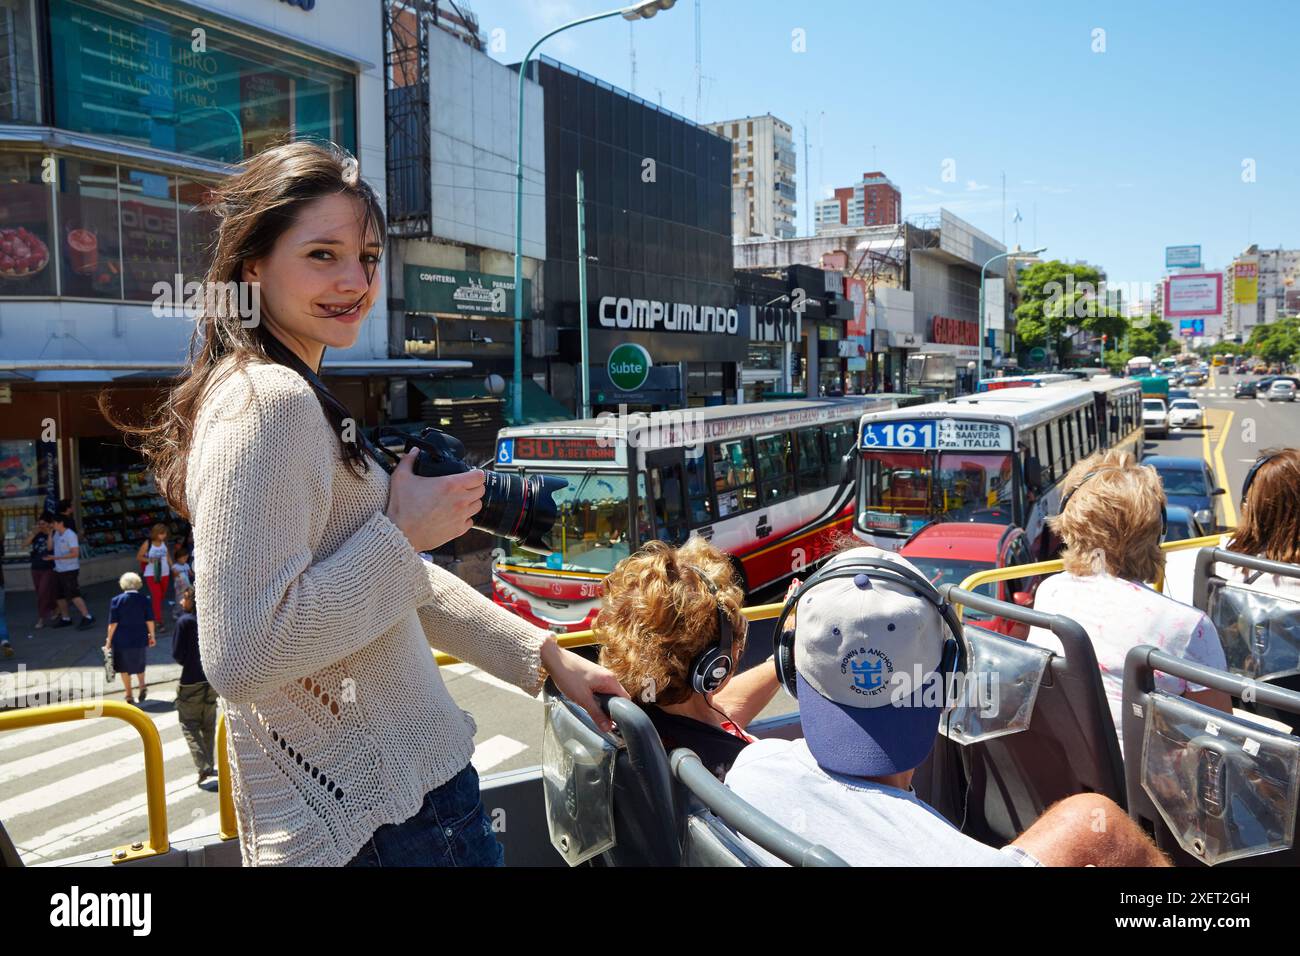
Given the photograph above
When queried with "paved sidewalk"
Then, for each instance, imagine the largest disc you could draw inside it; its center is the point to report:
(56, 651)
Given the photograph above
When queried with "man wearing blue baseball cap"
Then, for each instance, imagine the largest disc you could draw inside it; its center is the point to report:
(869, 656)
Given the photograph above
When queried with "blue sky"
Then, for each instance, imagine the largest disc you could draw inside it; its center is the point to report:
(1109, 155)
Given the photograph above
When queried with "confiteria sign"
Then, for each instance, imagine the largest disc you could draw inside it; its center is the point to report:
(656, 316)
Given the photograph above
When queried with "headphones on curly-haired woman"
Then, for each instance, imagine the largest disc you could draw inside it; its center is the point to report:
(713, 665)
(955, 651)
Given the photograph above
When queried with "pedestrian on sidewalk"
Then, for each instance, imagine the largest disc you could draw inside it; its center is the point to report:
(196, 701)
(155, 557)
(182, 573)
(130, 632)
(44, 581)
(67, 567)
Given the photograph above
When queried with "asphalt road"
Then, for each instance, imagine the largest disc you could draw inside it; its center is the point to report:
(77, 788)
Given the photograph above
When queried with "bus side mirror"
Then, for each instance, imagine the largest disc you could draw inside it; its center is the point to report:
(1219, 491)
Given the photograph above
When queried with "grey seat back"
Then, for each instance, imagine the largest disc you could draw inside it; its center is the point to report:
(1221, 796)
(994, 789)
(1260, 632)
(646, 827)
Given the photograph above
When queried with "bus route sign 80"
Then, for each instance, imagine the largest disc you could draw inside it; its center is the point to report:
(935, 433)
(510, 450)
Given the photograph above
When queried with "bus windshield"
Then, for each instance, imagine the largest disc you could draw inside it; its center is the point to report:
(906, 489)
(591, 530)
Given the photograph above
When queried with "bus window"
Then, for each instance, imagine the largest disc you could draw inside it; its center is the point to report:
(812, 463)
(699, 503)
(840, 437)
(666, 494)
(1090, 443)
(1061, 443)
(1047, 453)
(645, 530)
(775, 467)
(733, 476)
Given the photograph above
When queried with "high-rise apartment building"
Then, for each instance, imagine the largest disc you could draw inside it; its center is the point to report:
(762, 176)
(875, 201)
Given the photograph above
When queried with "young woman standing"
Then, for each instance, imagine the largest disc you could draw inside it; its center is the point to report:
(316, 612)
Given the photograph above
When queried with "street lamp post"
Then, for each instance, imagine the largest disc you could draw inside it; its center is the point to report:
(1009, 254)
(642, 10)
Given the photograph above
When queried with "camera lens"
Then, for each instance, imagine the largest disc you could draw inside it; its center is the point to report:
(520, 508)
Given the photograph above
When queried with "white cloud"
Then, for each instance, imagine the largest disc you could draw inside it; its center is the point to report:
(974, 187)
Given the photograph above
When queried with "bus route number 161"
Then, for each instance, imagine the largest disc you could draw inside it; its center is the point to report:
(900, 435)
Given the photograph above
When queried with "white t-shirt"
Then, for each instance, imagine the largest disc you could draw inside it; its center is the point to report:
(64, 542)
(157, 554)
(1180, 576)
(864, 823)
(1118, 616)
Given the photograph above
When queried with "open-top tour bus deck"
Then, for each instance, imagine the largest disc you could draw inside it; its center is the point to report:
(1213, 788)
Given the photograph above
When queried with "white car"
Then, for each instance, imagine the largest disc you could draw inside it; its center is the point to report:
(1281, 391)
(1186, 413)
(1155, 417)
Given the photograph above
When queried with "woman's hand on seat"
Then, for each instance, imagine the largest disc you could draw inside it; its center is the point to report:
(432, 511)
(580, 680)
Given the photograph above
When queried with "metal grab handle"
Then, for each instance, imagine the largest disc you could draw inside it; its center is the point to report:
(1144, 660)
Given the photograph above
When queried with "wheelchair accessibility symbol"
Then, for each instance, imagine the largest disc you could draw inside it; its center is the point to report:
(505, 451)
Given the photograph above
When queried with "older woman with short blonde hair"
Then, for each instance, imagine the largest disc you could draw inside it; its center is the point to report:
(1111, 521)
(661, 614)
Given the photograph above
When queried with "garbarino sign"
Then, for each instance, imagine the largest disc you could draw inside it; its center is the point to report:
(653, 315)
(1194, 293)
(947, 331)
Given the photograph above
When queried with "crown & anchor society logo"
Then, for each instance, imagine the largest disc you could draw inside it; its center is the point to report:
(868, 668)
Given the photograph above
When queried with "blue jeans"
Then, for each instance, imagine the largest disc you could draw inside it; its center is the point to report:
(451, 828)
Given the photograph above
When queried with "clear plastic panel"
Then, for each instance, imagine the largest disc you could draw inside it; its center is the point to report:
(578, 783)
(996, 696)
(1225, 788)
(1260, 632)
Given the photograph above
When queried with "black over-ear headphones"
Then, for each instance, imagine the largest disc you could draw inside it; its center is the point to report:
(1254, 470)
(955, 653)
(1164, 512)
(711, 667)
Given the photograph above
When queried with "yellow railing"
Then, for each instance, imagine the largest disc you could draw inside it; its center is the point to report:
(1052, 567)
(155, 789)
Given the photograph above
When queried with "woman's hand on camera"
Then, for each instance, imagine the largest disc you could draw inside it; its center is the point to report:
(580, 680)
(432, 511)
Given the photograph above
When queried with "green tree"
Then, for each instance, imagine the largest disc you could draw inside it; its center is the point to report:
(1054, 297)
(1276, 342)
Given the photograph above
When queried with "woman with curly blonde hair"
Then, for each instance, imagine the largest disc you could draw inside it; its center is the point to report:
(1111, 523)
(660, 614)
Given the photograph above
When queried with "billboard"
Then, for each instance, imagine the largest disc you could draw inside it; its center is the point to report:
(1190, 327)
(1182, 257)
(1193, 293)
(1245, 282)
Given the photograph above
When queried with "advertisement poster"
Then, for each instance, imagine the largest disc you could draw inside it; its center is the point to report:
(18, 469)
(1245, 283)
(1182, 257)
(1192, 294)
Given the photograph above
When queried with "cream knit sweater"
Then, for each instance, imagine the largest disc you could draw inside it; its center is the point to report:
(316, 623)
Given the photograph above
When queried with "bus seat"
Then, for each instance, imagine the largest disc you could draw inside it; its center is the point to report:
(1228, 783)
(717, 819)
(993, 789)
(644, 814)
(1260, 631)
(8, 852)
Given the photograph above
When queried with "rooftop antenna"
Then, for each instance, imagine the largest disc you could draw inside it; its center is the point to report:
(699, 59)
(631, 51)
(807, 221)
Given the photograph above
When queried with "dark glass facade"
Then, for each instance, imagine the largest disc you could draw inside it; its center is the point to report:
(658, 199)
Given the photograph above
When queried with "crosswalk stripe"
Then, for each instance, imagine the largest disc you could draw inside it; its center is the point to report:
(64, 839)
(469, 670)
(209, 825)
(496, 750)
(26, 766)
(43, 798)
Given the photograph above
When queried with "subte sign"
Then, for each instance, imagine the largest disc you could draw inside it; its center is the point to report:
(629, 366)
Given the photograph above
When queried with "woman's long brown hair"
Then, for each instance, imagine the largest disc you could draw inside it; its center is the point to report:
(255, 208)
(1270, 517)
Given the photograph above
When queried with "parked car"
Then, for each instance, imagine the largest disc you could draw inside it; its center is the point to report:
(1182, 524)
(1244, 390)
(1281, 390)
(1189, 482)
(1186, 413)
(948, 552)
(1155, 417)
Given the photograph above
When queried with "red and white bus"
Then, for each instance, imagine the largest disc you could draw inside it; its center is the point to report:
(761, 481)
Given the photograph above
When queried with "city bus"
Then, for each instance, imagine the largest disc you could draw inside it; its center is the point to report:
(994, 457)
(1022, 381)
(763, 482)
(1119, 404)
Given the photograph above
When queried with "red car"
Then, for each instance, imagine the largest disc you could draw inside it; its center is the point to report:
(948, 552)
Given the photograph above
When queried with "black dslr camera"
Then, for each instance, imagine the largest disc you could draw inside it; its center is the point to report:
(521, 509)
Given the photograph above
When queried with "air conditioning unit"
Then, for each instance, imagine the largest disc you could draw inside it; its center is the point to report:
(544, 339)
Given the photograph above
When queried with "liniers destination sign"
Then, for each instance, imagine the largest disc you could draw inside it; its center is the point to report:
(656, 316)
(935, 433)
